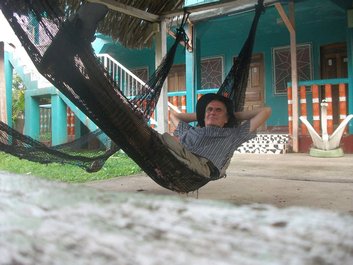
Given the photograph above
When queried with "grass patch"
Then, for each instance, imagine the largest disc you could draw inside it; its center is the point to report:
(117, 165)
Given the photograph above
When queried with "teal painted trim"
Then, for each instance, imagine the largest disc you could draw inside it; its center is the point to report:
(42, 92)
(190, 80)
(350, 75)
(77, 128)
(32, 118)
(8, 86)
(193, 74)
(25, 76)
(321, 82)
(207, 91)
(198, 92)
(100, 41)
(59, 120)
(197, 84)
(176, 93)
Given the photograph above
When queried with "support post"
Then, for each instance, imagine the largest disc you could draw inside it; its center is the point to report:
(192, 62)
(316, 108)
(350, 75)
(342, 101)
(328, 97)
(303, 111)
(162, 105)
(8, 85)
(32, 124)
(58, 120)
(3, 107)
(290, 111)
(290, 23)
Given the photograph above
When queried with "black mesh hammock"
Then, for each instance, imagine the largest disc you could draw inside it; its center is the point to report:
(28, 148)
(69, 63)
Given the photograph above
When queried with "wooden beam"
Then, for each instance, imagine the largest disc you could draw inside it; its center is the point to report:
(290, 23)
(188, 45)
(215, 9)
(204, 11)
(128, 10)
(205, 7)
(284, 17)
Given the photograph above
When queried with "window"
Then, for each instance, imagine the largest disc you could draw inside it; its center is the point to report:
(211, 73)
(282, 66)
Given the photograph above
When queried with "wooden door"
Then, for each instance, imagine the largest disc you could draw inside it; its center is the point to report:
(176, 78)
(254, 96)
(255, 90)
(334, 64)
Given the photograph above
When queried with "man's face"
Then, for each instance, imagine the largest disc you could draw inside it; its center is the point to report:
(215, 114)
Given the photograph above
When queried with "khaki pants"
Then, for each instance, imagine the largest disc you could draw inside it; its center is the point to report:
(200, 165)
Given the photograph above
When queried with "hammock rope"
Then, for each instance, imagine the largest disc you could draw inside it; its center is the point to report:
(73, 68)
(63, 153)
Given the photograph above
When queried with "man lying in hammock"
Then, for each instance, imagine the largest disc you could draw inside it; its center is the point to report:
(208, 148)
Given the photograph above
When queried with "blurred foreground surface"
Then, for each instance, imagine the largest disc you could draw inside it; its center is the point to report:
(53, 223)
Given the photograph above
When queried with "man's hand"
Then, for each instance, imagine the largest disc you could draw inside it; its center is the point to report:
(176, 117)
(256, 117)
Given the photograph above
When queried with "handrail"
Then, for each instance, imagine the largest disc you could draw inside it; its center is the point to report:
(106, 55)
(321, 82)
(312, 103)
(130, 74)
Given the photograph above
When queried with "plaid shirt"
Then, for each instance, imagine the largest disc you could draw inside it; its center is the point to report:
(214, 143)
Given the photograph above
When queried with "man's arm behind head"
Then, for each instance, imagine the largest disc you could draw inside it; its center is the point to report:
(256, 117)
(175, 117)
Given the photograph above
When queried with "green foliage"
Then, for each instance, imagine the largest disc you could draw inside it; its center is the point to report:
(18, 98)
(117, 165)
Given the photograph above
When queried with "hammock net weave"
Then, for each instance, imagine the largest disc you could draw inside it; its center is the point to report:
(144, 103)
(68, 62)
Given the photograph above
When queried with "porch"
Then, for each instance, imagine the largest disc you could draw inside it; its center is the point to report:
(310, 95)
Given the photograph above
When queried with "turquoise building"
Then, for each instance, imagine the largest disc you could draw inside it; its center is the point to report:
(322, 33)
(323, 30)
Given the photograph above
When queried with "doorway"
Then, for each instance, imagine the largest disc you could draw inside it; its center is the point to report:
(254, 95)
(176, 78)
(334, 64)
(255, 90)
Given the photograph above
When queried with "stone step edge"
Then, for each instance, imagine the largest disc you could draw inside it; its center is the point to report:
(274, 152)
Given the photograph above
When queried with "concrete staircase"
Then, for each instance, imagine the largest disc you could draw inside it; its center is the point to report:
(265, 144)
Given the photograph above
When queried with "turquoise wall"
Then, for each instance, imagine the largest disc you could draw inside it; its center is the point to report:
(317, 23)
(132, 58)
(312, 28)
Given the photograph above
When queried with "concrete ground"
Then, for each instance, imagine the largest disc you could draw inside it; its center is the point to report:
(279, 180)
(53, 223)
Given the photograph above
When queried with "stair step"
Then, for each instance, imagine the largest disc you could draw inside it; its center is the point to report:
(259, 150)
(265, 144)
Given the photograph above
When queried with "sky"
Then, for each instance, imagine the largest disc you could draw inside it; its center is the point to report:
(6, 33)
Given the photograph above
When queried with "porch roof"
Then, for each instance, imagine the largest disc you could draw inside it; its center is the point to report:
(131, 22)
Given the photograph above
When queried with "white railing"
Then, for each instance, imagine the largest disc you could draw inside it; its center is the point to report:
(127, 81)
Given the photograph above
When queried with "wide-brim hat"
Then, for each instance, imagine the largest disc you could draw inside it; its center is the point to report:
(207, 98)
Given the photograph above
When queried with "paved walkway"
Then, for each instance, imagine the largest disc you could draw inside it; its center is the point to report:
(279, 180)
